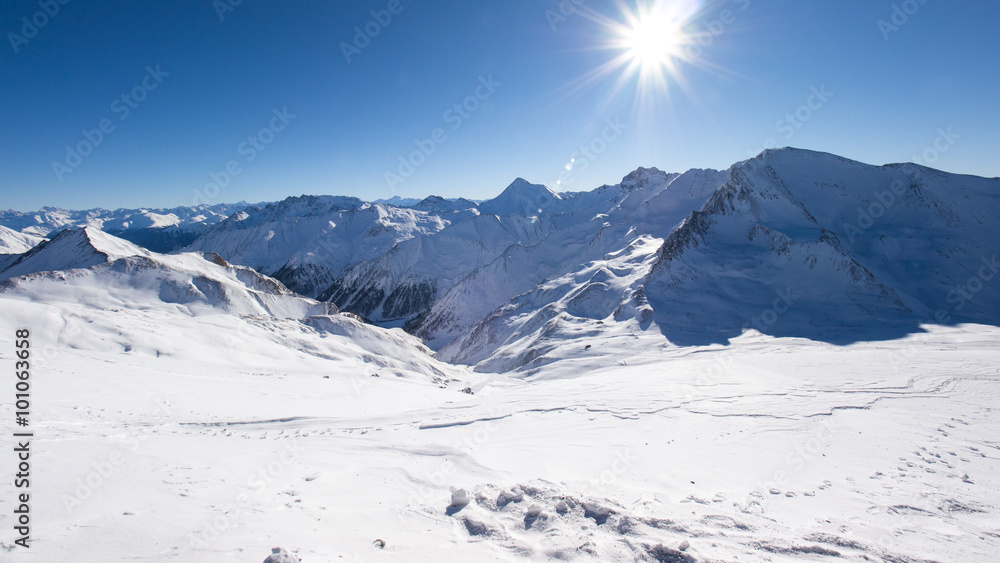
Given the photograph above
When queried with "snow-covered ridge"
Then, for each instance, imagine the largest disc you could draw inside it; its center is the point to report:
(308, 241)
(92, 266)
(72, 249)
(158, 229)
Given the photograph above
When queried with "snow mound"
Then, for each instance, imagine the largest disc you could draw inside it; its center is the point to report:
(541, 520)
(280, 555)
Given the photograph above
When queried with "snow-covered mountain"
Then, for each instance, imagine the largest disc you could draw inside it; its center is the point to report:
(308, 242)
(194, 303)
(419, 279)
(648, 202)
(793, 243)
(161, 230)
(406, 281)
(100, 268)
(523, 198)
(459, 208)
(72, 249)
(14, 242)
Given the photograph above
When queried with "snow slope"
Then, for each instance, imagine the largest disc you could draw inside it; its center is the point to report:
(102, 277)
(409, 278)
(216, 438)
(14, 242)
(420, 280)
(859, 247)
(791, 242)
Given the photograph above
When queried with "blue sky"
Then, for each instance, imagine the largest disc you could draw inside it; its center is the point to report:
(261, 102)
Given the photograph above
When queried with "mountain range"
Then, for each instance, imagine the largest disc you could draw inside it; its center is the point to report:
(160, 230)
(790, 243)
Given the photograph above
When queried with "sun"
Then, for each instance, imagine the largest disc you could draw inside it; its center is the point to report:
(645, 49)
(652, 41)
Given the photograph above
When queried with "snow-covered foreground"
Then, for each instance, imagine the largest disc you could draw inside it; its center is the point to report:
(167, 437)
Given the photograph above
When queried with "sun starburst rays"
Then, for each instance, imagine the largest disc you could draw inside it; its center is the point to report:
(649, 46)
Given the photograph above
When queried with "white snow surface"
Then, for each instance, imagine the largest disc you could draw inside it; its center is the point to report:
(14, 242)
(162, 436)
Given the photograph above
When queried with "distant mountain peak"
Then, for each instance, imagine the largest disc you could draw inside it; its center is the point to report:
(643, 177)
(439, 204)
(522, 198)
